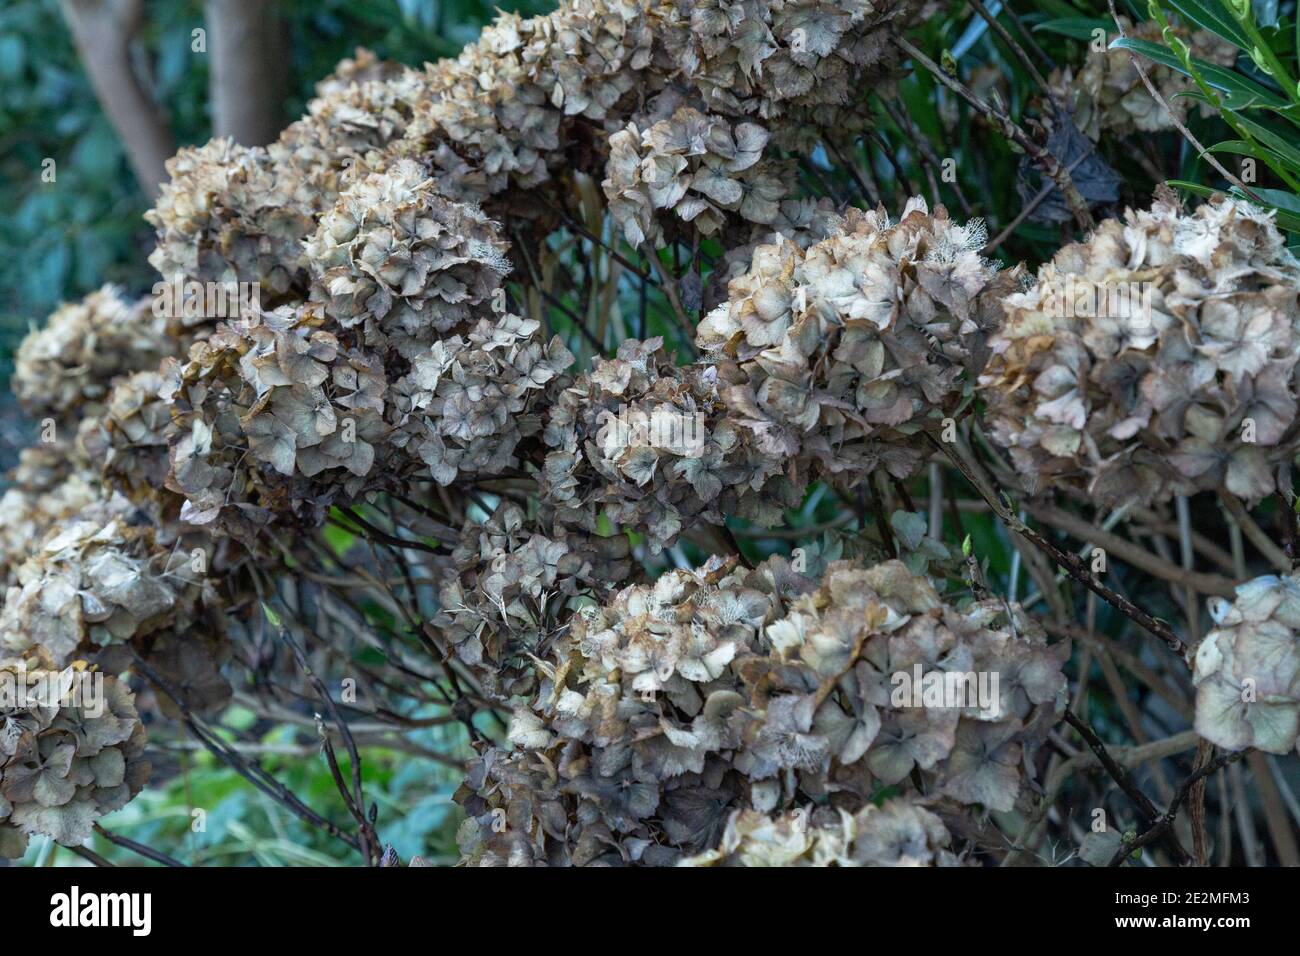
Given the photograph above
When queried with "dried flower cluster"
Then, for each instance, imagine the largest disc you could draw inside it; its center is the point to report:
(1108, 94)
(1159, 356)
(510, 591)
(404, 364)
(717, 690)
(697, 166)
(900, 832)
(521, 103)
(648, 446)
(127, 440)
(225, 216)
(69, 363)
(50, 484)
(68, 754)
(837, 355)
(97, 579)
(1247, 670)
(237, 214)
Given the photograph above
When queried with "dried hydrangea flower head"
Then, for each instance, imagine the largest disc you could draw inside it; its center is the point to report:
(51, 483)
(511, 589)
(283, 413)
(718, 690)
(519, 105)
(1108, 94)
(1247, 670)
(835, 356)
(832, 686)
(128, 439)
(252, 421)
(228, 214)
(1157, 357)
(73, 359)
(99, 577)
(395, 258)
(900, 832)
(363, 106)
(701, 168)
(71, 750)
(231, 213)
(650, 447)
(805, 63)
(622, 757)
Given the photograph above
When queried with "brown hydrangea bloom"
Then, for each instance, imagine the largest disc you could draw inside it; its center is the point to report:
(283, 413)
(249, 398)
(900, 832)
(836, 665)
(71, 362)
(1157, 357)
(1109, 96)
(397, 260)
(699, 167)
(719, 690)
(626, 740)
(836, 355)
(127, 440)
(511, 590)
(650, 447)
(69, 752)
(805, 63)
(101, 576)
(359, 109)
(519, 105)
(51, 483)
(1247, 670)
(238, 214)
(229, 214)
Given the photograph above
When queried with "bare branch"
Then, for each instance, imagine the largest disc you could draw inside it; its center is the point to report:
(103, 31)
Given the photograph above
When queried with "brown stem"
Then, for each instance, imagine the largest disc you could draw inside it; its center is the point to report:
(1041, 158)
(1071, 563)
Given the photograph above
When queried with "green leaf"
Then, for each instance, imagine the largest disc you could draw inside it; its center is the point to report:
(271, 615)
(1242, 93)
(1240, 147)
(339, 539)
(1077, 28)
(1272, 139)
(1211, 16)
(1285, 203)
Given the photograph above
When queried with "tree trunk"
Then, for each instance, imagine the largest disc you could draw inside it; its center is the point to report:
(102, 31)
(246, 82)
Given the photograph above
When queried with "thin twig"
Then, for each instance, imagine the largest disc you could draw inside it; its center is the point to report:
(1254, 532)
(1016, 48)
(1041, 158)
(1201, 151)
(1069, 562)
(1125, 782)
(145, 851)
(1162, 827)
